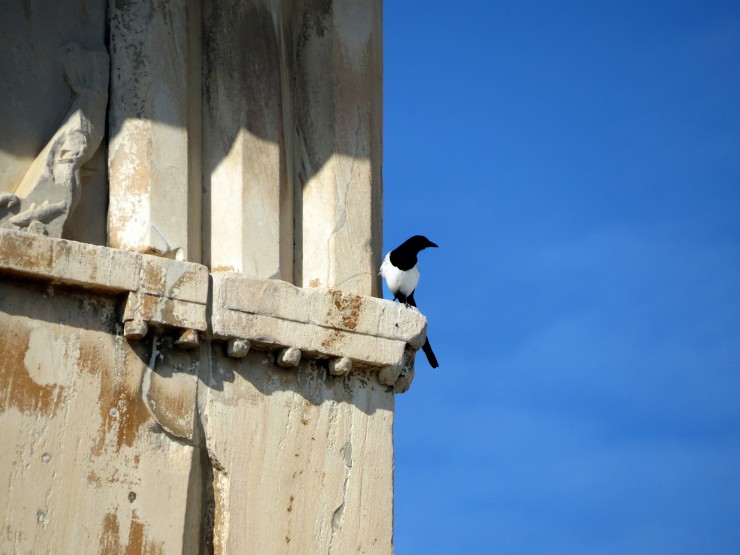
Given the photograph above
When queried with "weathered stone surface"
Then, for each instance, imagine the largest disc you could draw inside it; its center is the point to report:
(286, 445)
(169, 387)
(238, 348)
(189, 339)
(329, 308)
(290, 357)
(51, 188)
(162, 291)
(84, 466)
(133, 330)
(339, 143)
(51, 121)
(247, 137)
(68, 262)
(153, 440)
(153, 150)
(400, 379)
(319, 322)
(340, 366)
(90, 266)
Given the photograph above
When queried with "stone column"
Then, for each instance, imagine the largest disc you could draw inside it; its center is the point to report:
(338, 66)
(153, 156)
(248, 210)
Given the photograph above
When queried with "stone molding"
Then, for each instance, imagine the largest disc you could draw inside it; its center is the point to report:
(347, 330)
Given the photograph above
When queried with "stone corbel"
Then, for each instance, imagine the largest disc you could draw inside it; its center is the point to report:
(351, 331)
(170, 293)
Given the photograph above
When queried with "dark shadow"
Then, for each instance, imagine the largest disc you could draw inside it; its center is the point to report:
(311, 380)
(60, 305)
(35, 97)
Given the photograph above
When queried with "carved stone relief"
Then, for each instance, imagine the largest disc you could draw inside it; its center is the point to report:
(50, 190)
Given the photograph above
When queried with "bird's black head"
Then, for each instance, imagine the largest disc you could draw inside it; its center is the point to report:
(417, 243)
(404, 256)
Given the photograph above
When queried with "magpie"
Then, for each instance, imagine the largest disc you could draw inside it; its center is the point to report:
(401, 273)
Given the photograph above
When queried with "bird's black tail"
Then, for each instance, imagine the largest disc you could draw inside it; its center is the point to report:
(427, 348)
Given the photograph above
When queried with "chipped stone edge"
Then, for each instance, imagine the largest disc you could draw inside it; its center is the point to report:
(160, 291)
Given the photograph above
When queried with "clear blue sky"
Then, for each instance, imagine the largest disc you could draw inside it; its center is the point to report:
(578, 163)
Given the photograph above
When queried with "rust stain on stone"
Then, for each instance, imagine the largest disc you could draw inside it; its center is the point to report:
(21, 247)
(122, 410)
(153, 278)
(223, 269)
(91, 357)
(135, 538)
(331, 339)
(110, 537)
(348, 307)
(344, 313)
(17, 387)
(136, 544)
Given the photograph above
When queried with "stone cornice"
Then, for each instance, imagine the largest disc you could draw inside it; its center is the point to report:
(346, 329)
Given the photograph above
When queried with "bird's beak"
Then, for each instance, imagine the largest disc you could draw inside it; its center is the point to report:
(433, 244)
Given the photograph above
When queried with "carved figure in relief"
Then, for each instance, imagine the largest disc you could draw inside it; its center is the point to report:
(50, 190)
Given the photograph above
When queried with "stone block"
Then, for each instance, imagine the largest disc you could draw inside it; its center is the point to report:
(143, 307)
(94, 267)
(183, 281)
(290, 357)
(84, 466)
(332, 309)
(238, 348)
(25, 253)
(321, 323)
(340, 366)
(68, 262)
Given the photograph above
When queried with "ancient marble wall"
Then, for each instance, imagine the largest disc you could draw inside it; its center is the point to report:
(192, 355)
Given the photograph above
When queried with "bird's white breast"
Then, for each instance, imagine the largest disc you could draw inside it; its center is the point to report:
(399, 280)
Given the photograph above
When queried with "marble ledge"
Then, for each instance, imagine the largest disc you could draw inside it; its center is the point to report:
(348, 330)
(159, 291)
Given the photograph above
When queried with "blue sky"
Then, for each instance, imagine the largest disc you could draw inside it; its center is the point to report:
(579, 165)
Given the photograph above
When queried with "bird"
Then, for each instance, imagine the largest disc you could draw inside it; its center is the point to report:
(400, 270)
